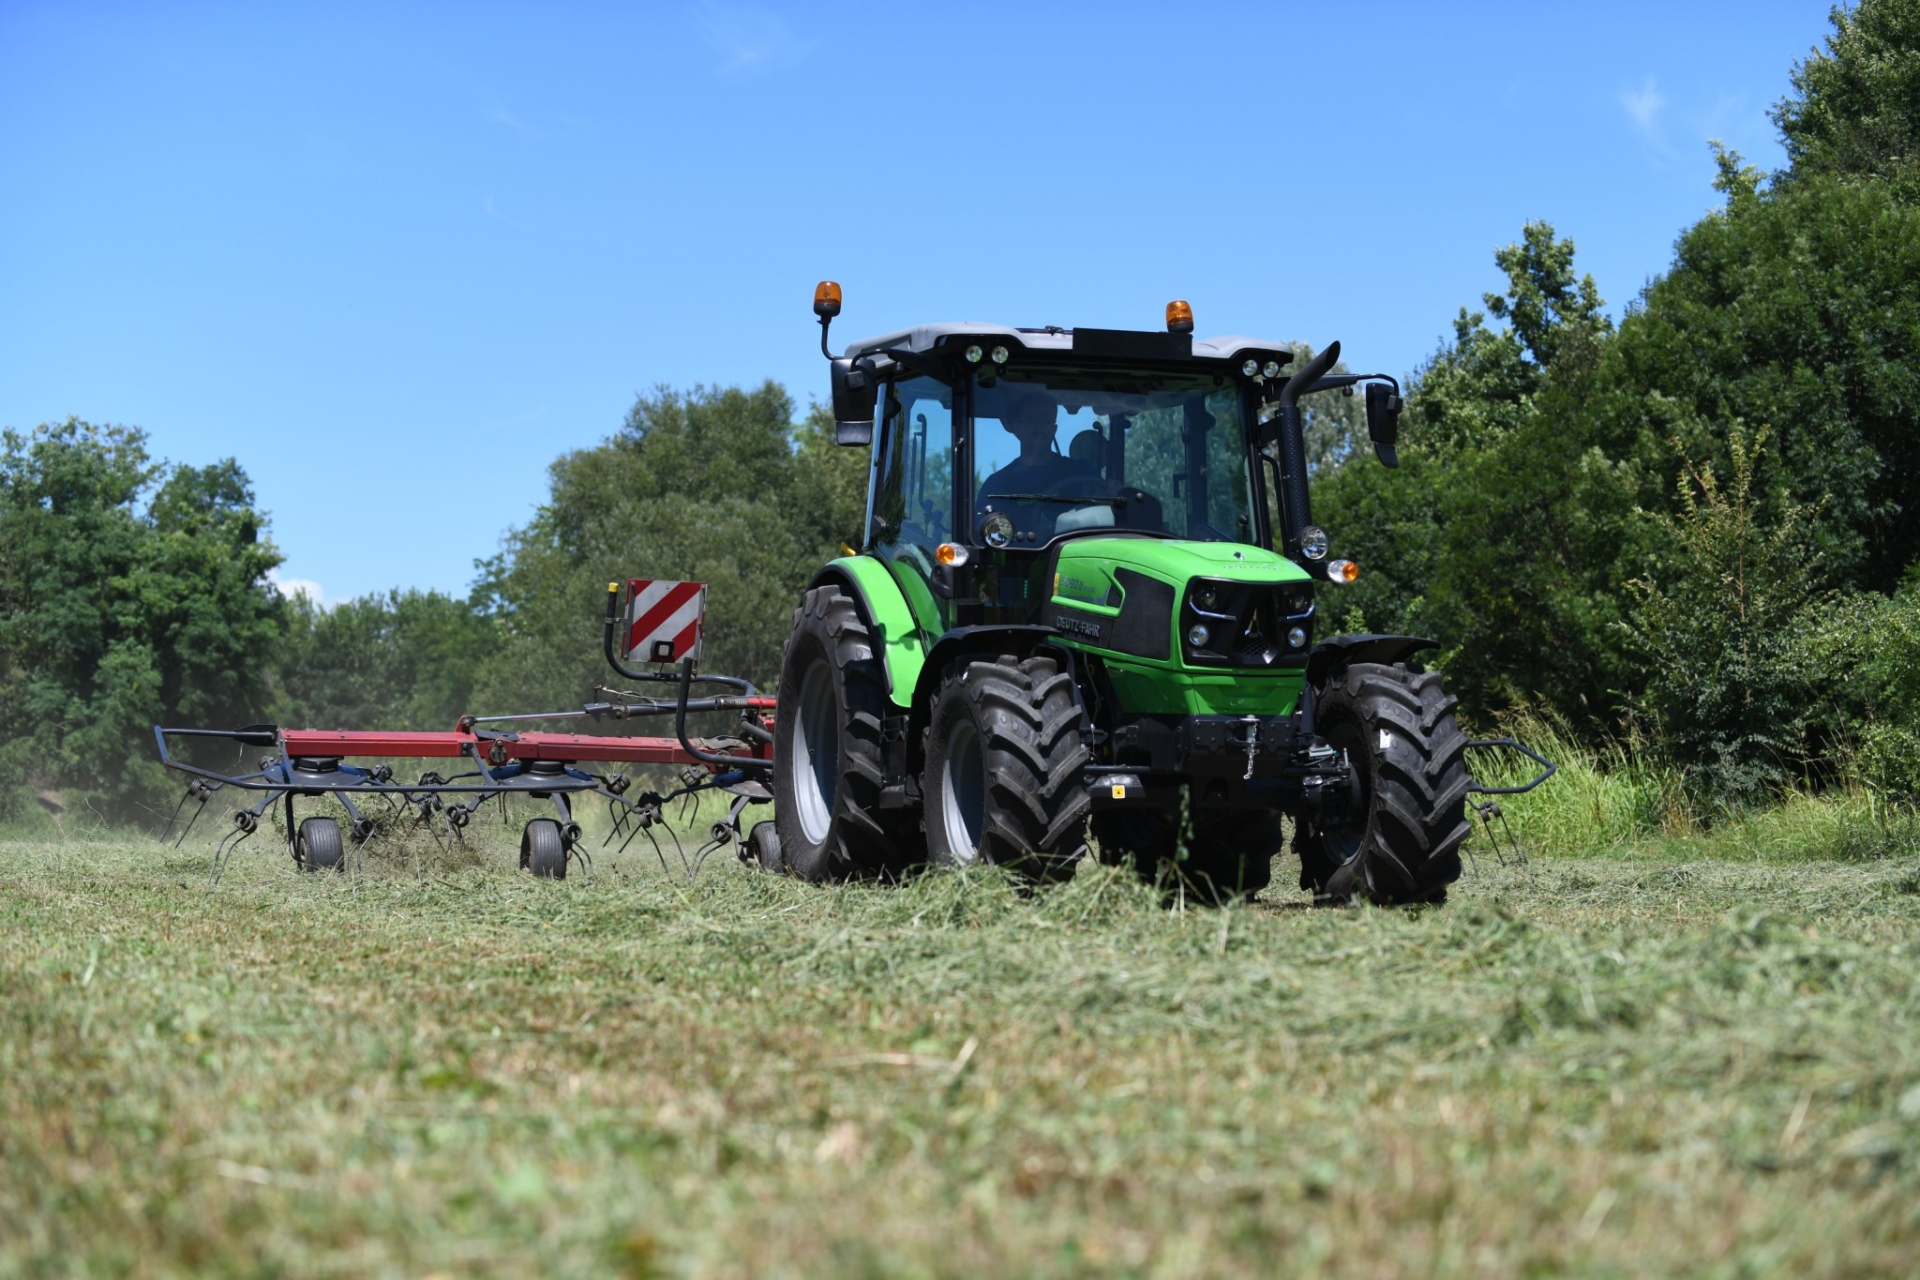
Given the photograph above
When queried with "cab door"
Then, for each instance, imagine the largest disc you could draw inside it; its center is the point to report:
(912, 511)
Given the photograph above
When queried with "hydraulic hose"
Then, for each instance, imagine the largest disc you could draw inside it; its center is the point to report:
(686, 743)
(1295, 513)
(662, 677)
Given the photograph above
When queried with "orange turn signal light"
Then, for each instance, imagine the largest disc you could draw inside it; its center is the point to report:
(1342, 571)
(1179, 317)
(950, 555)
(826, 299)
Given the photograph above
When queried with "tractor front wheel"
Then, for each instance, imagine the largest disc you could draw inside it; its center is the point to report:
(1399, 838)
(1004, 759)
(828, 763)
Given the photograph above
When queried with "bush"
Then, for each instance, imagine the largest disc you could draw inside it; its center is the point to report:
(1731, 689)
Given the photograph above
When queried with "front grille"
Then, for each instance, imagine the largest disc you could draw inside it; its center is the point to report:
(1247, 623)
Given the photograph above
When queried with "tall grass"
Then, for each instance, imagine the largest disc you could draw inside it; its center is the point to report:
(1620, 798)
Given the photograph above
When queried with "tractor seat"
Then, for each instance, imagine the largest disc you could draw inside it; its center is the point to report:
(1089, 449)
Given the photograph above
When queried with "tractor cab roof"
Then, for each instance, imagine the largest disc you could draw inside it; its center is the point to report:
(1073, 344)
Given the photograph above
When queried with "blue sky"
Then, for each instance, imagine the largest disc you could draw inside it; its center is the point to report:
(396, 258)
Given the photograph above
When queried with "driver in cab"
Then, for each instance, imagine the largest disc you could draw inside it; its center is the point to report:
(1040, 470)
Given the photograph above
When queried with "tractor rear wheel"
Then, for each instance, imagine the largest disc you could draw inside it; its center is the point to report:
(828, 762)
(1399, 839)
(1229, 856)
(318, 847)
(1004, 759)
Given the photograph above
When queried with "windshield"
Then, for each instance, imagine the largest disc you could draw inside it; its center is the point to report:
(1057, 452)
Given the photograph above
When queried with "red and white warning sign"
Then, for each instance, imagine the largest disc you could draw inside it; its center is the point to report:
(665, 620)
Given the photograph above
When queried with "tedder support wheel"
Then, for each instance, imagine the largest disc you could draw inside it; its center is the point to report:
(763, 847)
(1004, 759)
(1399, 841)
(1228, 856)
(318, 846)
(543, 849)
(828, 762)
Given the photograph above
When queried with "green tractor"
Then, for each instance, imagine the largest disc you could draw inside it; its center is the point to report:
(1083, 604)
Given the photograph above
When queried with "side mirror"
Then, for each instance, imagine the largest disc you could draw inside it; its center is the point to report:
(1383, 421)
(855, 393)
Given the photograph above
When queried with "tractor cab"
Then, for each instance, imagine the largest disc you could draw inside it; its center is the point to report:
(1002, 466)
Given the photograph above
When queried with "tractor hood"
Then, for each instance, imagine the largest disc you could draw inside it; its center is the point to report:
(1174, 562)
(1186, 628)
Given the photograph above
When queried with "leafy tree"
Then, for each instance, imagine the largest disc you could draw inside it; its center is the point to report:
(404, 660)
(117, 615)
(1856, 109)
(1795, 309)
(714, 485)
(1501, 532)
(1509, 531)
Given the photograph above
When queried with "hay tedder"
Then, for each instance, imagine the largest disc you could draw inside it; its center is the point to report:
(660, 623)
(1081, 614)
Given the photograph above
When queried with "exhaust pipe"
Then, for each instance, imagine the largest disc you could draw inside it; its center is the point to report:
(1295, 514)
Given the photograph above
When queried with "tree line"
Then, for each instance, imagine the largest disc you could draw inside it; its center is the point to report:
(1698, 528)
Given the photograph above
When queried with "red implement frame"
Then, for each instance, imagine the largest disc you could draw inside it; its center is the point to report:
(496, 749)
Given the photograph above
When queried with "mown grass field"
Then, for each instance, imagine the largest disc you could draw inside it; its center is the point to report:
(1666, 1056)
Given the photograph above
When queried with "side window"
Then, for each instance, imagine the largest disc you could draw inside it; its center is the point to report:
(914, 504)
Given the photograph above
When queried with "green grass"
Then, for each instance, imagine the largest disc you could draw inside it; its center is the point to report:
(1616, 802)
(1641, 1060)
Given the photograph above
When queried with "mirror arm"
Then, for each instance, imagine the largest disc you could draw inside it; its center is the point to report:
(1340, 380)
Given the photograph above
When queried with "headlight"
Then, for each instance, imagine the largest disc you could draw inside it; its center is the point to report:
(1198, 635)
(997, 531)
(1207, 597)
(1297, 638)
(1313, 542)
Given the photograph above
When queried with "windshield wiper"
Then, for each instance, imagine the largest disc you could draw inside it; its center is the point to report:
(1064, 499)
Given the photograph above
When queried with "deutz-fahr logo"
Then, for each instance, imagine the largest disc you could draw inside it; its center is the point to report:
(1076, 626)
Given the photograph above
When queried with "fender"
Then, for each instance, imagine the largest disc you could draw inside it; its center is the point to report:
(1333, 655)
(884, 606)
(993, 638)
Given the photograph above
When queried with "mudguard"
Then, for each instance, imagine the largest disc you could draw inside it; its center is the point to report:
(996, 638)
(884, 605)
(1335, 653)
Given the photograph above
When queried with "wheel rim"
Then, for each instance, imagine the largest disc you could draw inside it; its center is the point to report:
(963, 792)
(816, 752)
